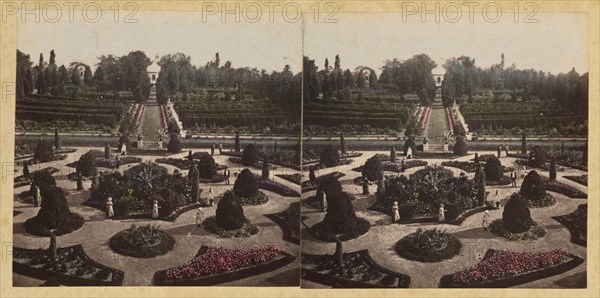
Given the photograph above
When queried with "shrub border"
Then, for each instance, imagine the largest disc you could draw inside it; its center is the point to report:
(68, 280)
(159, 278)
(511, 281)
(332, 281)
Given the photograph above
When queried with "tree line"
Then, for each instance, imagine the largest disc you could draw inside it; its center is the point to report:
(463, 80)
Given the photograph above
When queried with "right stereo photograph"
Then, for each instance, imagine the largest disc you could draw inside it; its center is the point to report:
(443, 153)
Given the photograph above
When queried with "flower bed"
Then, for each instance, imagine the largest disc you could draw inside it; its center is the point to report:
(72, 268)
(20, 181)
(142, 242)
(576, 223)
(504, 180)
(159, 152)
(397, 166)
(469, 167)
(216, 265)
(184, 164)
(535, 232)
(358, 271)
(564, 189)
(428, 246)
(277, 188)
(114, 164)
(247, 230)
(319, 166)
(289, 221)
(31, 161)
(547, 201)
(581, 179)
(309, 186)
(485, 157)
(502, 269)
(294, 178)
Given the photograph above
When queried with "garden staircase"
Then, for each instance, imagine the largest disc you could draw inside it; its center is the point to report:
(435, 147)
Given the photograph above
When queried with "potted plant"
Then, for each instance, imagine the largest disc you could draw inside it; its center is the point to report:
(447, 136)
(425, 143)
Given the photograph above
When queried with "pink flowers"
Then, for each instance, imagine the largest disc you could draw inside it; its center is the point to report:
(425, 117)
(218, 259)
(450, 119)
(163, 117)
(139, 114)
(509, 263)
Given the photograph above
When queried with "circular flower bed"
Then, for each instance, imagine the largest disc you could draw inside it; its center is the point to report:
(534, 233)
(247, 230)
(428, 246)
(142, 242)
(547, 201)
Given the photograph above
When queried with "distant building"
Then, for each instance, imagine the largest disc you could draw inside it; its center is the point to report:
(153, 71)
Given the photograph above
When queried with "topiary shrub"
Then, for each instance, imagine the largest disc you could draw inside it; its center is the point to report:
(246, 185)
(173, 127)
(552, 174)
(460, 147)
(250, 155)
(533, 188)
(480, 184)
(330, 157)
(493, 169)
(516, 217)
(537, 157)
(174, 145)
(54, 216)
(372, 169)
(265, 168)
(393, 154)
(329, 185)
(43, 151)
(207, 167)
(230, 213)
(86, 165)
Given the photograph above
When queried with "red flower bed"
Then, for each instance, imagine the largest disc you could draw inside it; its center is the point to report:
(450, 119)
(163, 117)
(509, 263)
(217, 259)
(139, 114)
(425, 117)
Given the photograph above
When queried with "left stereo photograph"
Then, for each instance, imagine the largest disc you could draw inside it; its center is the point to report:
(160, 152)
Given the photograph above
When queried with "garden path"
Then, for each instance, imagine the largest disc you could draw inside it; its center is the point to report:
(95, 233)
(383, 235)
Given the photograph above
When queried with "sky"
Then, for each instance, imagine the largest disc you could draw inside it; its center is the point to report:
(556, 43)
(262, 45)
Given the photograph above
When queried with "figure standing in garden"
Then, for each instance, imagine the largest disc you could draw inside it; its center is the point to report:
(506, 149)
(476, 160)
(79, 181)
(486, 220)
(395, 212)
(109, 208)
(441, 214)
(497, 196)
(226, 173)
(199, 216)
(211, 197)
(155, 208)
(323, 201)
(513, 178)
(220, 148)
(212, 149)
(38, 196)
(190, 155)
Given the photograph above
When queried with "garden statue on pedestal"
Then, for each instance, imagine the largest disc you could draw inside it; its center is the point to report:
(199, 216)
(425, 143)
(409, 153)
(155, 208)
(110, 212)
(395, 212)
(220, 148)
(442, 214)
(140, 141)
(486, 220)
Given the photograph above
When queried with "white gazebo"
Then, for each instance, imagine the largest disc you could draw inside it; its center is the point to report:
(153, 71)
